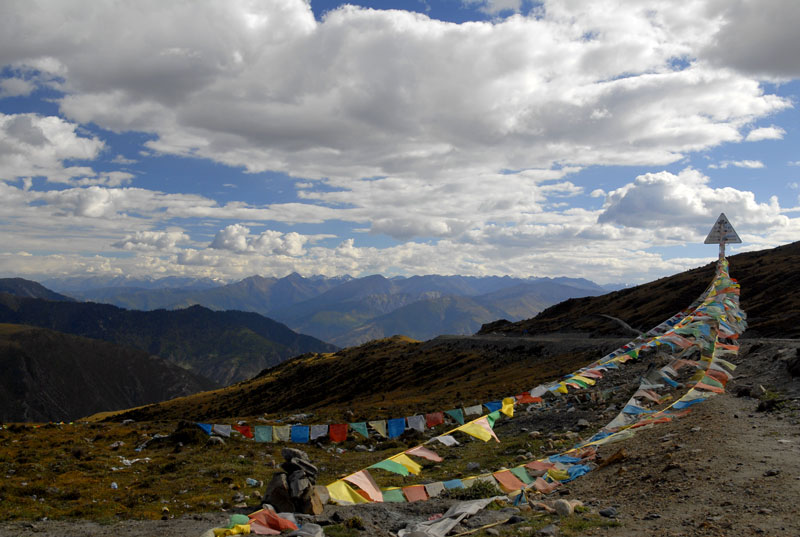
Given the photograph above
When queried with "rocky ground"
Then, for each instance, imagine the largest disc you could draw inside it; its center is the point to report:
(731, 467)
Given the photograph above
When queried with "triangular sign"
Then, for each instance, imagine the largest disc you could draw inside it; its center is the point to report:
(722, 232)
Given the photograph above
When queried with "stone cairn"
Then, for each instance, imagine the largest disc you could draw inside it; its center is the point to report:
(293, 488)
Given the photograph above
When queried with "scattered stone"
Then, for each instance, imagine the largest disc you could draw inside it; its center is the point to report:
(492, 531)
(473, 466)
(128, 422)
(361, 448)
(608, 512)
(563, 507)
(696, 429)
(516, 519)
(534, 434)
(550, 530)
(216, 440)
(583, 424)
(116, 445)
(765, 511)
(771, 472)
(651, 516)
(308, 530)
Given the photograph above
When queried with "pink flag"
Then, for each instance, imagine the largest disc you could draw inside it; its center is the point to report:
(363, 480)
(425, 453)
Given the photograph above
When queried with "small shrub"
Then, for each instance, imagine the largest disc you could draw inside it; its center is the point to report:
(354, 523)
(479, 490)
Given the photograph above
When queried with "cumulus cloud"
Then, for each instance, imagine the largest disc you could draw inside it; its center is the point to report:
(367, 93)
(237, 238)
(765, 133)
(665, 201)
(38, 146)
(152, 241)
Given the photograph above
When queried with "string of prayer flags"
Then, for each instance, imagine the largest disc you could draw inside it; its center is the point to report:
(337, 432)
(365, 482)
(433, 419)
(343, 494)
(457, 414)
(361, 428)
(318, 431)
(395, 427)
(380, 427)
(244, 430)
(299, 434)
(416, 422)
(263, 433)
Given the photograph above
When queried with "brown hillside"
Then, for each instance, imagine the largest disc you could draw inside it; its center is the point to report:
(767, 278)
(390, 377)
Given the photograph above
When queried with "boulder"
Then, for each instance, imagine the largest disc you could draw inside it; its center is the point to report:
(277, 494)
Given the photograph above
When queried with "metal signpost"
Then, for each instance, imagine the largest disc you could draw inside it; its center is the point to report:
(722, 233)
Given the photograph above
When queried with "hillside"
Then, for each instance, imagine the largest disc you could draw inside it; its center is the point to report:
(767, 278)
(389, 377)
(224, 346)
(30, 289)
(51, 376)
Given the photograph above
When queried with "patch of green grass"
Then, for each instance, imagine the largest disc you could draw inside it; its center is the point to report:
(338, 530)
(576, 525)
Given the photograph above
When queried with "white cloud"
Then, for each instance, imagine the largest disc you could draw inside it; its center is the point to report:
(32, 145)
(367, 93)
(751, 164)
(495, 7)
(765, 133)
(152, 240)
(665, 201)
(121, 159)
(15, 87)
(237, 238)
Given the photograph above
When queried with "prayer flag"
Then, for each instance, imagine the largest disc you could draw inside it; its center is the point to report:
(507, 407)
(363, 480)
(396, 427)
(318, 431)
(282, 433)
(447, 440)
(222, 430)
(493, 405)
(337, 432)
(361, 428)
(433, 419)
(522, 474)
(380, 426)
(300, 434)
(391, 466)
(434, 489)
(343, 494)
(415, 493)
(456, 414)
(394, 496)
(473, 410)
(453, 484)
(244, 430)
(416, 422)
(425, 453)
(263, 433)
(508, 481)
(206, 427)
(403, 459)
(479, 428)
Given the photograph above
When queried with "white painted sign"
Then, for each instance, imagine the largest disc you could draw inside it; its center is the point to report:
(722, 232)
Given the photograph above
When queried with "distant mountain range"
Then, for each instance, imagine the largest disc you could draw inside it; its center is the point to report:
(224, 346)
(349, 311)
(51, 376)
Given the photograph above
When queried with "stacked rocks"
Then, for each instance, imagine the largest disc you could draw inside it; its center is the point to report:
(292, 489)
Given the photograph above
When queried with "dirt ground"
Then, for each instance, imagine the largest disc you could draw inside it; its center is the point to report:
(726, 469)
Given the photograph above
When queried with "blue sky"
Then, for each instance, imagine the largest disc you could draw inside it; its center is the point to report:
(224, 139)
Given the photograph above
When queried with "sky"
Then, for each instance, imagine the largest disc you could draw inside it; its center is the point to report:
(583, 138)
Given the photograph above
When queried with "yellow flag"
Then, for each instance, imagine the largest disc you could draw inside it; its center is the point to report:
(342, 493)
(480, 429)
(557, 475)
(562, 388)
(508, 407)
(403, 459)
